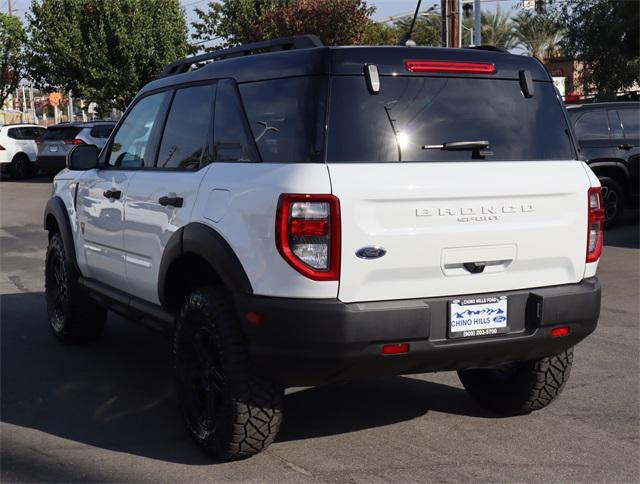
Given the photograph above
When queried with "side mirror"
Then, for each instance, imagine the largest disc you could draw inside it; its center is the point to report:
(82, 157)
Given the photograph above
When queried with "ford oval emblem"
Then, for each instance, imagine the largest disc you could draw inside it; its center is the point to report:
(371, 252)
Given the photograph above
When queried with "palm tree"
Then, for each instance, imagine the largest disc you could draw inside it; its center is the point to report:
(538, 35)
(498, 29)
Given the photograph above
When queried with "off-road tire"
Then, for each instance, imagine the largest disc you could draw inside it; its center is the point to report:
(519, 388)
(613, 201)
(20, 167)
(230, 410)
(73, 317)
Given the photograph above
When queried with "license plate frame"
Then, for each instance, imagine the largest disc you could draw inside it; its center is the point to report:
(478, 317)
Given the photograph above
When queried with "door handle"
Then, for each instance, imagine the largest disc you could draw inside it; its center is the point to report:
(625, 146)
(112, 194)
(172, 201)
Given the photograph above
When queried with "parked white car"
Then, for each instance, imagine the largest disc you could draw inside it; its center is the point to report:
(18, 149)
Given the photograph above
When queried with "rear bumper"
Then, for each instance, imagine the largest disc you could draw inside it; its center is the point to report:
(307, 342)
(51, 164)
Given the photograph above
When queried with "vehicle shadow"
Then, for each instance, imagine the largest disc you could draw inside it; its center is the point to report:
(118, 393)
(626, 234)
(5, 178)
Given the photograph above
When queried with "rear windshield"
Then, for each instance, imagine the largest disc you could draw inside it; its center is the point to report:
(59, 133)
(411, 112)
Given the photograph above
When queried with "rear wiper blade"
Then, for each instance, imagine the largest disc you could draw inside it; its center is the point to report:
(478, 148)
(459, 146)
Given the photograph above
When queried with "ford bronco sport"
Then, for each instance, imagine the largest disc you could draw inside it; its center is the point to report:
(299, 214)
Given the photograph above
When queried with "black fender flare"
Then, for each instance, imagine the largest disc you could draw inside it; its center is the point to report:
(201, 240)
(55, 207)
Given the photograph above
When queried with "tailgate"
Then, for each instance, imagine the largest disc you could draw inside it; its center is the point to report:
(460, 228)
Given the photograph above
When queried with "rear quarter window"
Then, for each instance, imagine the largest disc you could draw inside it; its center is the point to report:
(411, 112)
(286, 117)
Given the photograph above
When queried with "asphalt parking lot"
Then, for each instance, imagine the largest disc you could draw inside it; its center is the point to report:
(109, 413)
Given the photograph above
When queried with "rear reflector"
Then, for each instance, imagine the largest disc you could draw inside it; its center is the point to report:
(396, 349)
(446, 66)
(254, 318)
(595, 224)
(560, 331)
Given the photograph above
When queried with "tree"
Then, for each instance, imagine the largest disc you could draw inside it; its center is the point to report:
(498, 29)
(234, 22)
(604, 35)
(230, 21)
(425, 32)
(103, 51)
(12, 39)
(538, 34)
(336, 22)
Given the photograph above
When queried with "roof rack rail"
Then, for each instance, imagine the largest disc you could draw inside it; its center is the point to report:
(274, 45)
(491, 48)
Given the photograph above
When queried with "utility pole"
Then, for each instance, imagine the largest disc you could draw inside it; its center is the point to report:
(453, 24)
(477, 33)
(9, 9)
(443, 23)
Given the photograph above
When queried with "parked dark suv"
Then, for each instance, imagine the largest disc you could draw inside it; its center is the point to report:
(609, 138)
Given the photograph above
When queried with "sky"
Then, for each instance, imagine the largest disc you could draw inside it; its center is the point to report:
(384, 8)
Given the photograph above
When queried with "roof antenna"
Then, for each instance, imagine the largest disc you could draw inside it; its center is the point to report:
(406, 38)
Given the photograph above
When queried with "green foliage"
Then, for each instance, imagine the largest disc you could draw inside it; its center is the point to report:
(12, 40)
(336, 22)
(426, 31)
(498, 29)
(104, 51)
(381, 34)
(538, 34)
(231, 21)
(604, 35)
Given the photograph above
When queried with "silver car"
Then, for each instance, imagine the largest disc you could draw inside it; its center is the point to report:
(60, 138)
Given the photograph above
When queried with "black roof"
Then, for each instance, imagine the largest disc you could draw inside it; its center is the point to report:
(316, 61)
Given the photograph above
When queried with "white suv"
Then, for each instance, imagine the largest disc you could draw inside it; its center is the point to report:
(18, 149)
(299, 214)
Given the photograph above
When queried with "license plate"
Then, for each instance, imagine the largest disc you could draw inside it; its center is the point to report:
(53, 149)
(482, 316)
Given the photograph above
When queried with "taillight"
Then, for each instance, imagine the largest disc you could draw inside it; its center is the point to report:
(74, 141)
(1, 148)
(595, 224)
(308, 234)
(448, 66)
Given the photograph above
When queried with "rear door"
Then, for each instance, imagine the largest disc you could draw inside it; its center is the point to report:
(160, 199)
(513, 215)
(594, 134)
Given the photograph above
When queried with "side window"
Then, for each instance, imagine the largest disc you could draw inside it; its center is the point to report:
(186, 129)
(631, 122)
(232, 140)
(14, 133)
(592, 125)
(129, 145)
(286, 117)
